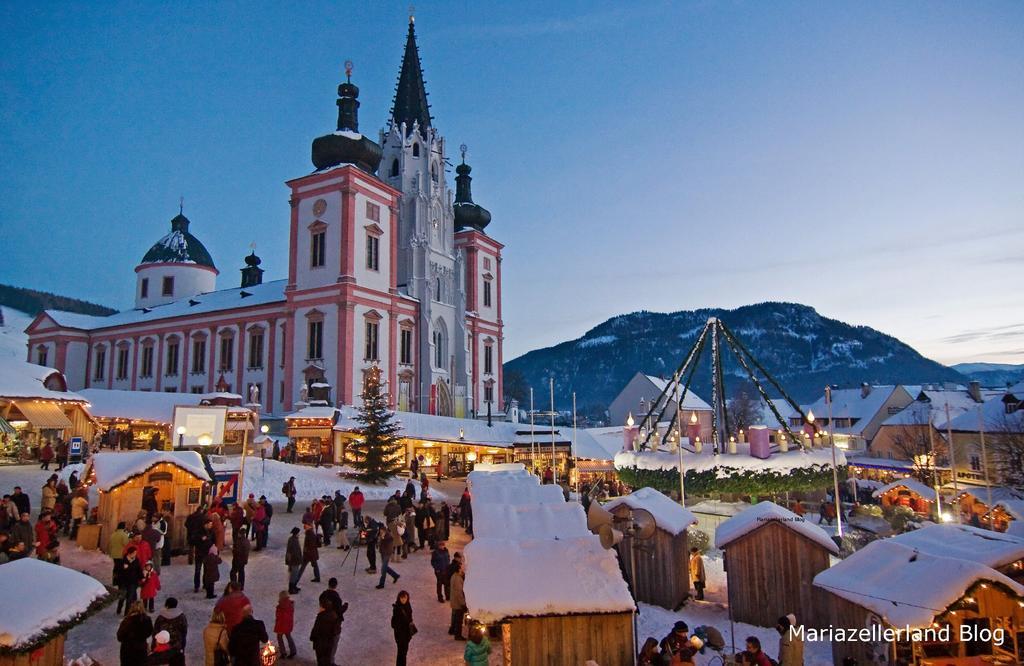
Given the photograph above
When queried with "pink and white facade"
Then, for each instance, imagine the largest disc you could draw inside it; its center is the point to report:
(377, 274)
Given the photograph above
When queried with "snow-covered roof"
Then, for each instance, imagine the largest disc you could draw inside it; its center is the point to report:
(513, 468)
(500, 434)
(782, 463)
(1014, 507)
(313, 412)
(763, 513)
(904, 586)
(517, 494)
(992, 549)
(532, 577)
(599, 443)
(19, 379)
(690, 401)
(994, 416)
(529, 521)
(853, 404)
(998, 493)
(931, 403)
(113, 469)
(214, 301)
(42, 597)
(155, 406)
(913, 485)
(719, 508)
(669, 516)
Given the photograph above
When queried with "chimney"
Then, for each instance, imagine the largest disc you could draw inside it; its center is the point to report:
(865, 390)
(974, 390)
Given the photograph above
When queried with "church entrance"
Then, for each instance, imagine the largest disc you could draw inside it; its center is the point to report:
(444, 399)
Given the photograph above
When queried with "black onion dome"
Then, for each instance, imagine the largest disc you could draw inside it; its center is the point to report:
(468, 215)
(347, 145)
(179, 247)
(253, 260)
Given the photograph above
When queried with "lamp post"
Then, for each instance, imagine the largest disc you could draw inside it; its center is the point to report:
(263, 450)
(245, 447)
(181, 437)
(835, 470)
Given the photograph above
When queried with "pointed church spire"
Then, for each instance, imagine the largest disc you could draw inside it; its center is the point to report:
(411, 95)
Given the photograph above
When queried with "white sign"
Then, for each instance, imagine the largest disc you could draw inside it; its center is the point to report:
(198, 426)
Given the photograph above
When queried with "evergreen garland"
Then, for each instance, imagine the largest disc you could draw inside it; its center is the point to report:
(732, 480)
(377, 452)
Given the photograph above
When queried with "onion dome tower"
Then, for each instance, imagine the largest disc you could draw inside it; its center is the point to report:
(252, 274)
(177, 266)
(347, 145)
(468, 215)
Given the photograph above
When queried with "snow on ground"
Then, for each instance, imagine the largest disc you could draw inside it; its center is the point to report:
(265, 477)
(13, 340)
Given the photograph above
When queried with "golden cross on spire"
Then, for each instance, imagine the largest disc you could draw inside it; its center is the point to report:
(348, 71)
(463, 149)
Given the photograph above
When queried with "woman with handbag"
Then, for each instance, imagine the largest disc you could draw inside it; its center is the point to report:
(215, 641)
(403, 626)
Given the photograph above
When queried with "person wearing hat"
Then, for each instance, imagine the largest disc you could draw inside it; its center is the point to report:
(791, 646)
(676, 647)
(163, 652)
(293, 560)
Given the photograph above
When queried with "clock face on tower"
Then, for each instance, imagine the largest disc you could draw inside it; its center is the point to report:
(319, 206)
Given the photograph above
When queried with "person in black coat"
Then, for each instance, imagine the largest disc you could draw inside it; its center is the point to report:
(402, 625)
(128, 577)
(245, 639)
(323, 632)
(133, 633)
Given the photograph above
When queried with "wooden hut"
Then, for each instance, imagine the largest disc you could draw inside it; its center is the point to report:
(1002, 552)
(558, 601)
(974, 501)
(662, 562)
(44, 601)
(178, 477)
(907, 492)
(771, 555)
(951, 607)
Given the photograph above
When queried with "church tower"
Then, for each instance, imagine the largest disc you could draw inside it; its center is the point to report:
(430, 267)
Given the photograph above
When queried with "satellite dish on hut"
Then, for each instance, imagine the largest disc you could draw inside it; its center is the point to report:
(609, 536)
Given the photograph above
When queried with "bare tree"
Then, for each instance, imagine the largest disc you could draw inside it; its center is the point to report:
(914, 441)
(1005, 443)
(744, 411)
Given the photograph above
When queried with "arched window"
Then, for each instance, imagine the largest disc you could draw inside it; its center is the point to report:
(440, 337)
(416, 149)
(437, 290)
(394, 168)
(433, 172)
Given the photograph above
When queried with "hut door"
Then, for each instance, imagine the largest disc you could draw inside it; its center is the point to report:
(131, 504)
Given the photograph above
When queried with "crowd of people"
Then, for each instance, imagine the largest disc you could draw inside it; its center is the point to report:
(64, 506)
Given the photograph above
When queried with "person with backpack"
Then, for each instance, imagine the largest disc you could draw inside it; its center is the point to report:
(289, 491)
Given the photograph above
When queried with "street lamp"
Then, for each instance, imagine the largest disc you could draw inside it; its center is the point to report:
(205, 439)
(264, 428)
(181, 437)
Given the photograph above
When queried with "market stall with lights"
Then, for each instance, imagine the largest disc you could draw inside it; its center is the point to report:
(36, 407)
(178, 478)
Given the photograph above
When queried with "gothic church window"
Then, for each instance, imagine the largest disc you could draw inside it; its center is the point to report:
(416, 149)
(394, 168)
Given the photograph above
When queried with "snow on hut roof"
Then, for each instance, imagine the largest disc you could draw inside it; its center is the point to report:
(778, 461)
(1014, 507)
(668, 515)
(43, 597)
(763, 513)
(526, 521)
(533, 577)
(517, 494)
(913, 485)
(214, 301)
(999, 493)
(515, 468)
(904, 586)
(19, 379)
(113, 469)
(313, 412)
(993, 549)
(155, 406)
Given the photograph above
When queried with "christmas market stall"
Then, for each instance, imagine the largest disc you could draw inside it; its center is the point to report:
(976, 503)
(136, 419)
(311, 435)
(662, 562)
(771, 555)
(1007, 516)
(921, 608)
(43, 601)
(907, 492)
(1002, 552)
(36, 408)
(175, 479)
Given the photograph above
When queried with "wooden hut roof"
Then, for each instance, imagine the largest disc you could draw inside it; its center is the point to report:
(113, 469)
(669, 516)
(43, 599)
(993, 549)
(537, 577)
(904, 586)
(913, 485)
(760, 515)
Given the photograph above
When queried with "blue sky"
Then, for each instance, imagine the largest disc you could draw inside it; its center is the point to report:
(864, 158)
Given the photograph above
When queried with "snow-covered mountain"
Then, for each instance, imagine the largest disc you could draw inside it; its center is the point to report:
(995, 375)
(13, 341)
(802, 349)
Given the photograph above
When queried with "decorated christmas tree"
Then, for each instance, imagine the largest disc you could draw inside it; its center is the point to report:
(376, 453)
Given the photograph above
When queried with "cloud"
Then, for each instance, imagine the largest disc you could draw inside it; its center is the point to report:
(1008, 331)
(540, 27)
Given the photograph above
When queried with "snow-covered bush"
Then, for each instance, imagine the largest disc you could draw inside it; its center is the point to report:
(698, 539)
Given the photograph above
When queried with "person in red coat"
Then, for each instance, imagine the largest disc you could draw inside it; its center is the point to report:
(143, 551)
(284, 623)
(46, 538)
(753, 654)
(232, 605)
(46, 456)
(150, 586)
(356, 501)
(236, 517)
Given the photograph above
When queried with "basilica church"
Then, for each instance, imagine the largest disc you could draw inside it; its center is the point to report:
(386, 267)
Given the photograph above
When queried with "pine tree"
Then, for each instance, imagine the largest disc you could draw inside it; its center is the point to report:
(377, 451)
